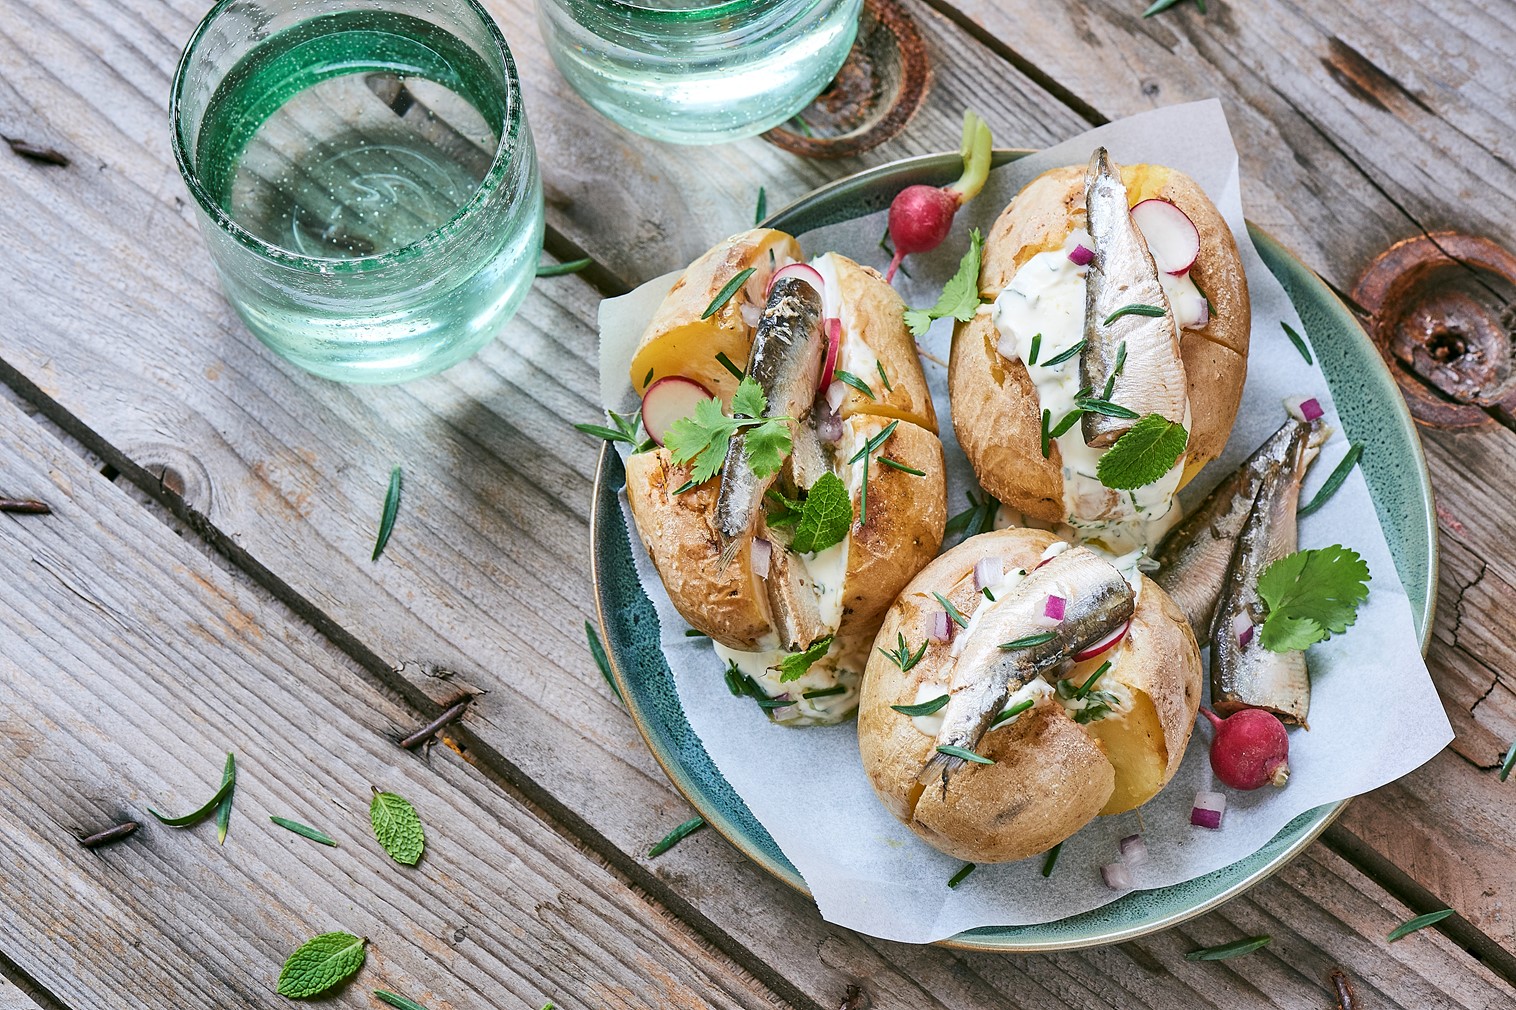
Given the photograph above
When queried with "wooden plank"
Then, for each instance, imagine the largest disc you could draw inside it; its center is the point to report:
(13, 998)
(131, 663)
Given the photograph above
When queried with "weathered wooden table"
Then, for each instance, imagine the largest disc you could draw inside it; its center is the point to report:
(204, 581)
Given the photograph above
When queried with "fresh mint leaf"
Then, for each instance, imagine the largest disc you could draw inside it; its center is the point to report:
(825, 515)
(321, 963)
(960, 295)
(1147, 451)
(1311, 595)
(794, 666)
(397, 827)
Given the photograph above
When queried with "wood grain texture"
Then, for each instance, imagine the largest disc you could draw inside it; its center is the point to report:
(130, 667)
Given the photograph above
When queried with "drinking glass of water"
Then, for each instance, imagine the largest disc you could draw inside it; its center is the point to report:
(699, 71)
(364, 177)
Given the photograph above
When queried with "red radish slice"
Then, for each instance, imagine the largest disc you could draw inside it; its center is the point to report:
(1081, 256)
(805, 272)
(762, 551)
(1105, 643)
(833, 349)
(1171, 236)
(667, 400)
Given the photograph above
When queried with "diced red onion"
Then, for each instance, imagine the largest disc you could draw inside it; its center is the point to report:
(802, 271)
(1134, 851)
(988, 572)
(834, 395)
(942, 627)
(1246, 637)
(751, 314)
(1311, 409)
(1054, 607)
(1116, 876)
(761, 553)
(1105, 643)
(1242, 628)
(1303, 408)
(1208, 808)
(829, 427)
(1080, 256)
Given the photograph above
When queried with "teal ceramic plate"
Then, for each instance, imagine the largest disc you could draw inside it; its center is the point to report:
(1371, 409)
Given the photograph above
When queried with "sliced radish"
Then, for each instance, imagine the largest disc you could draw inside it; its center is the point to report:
(803, 271)
(833, 328)
(667, 400)
(1105, 643)
(1171, 236)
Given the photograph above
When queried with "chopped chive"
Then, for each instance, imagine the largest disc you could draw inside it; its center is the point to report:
(825, 692)
(895, 464)
(1410, 926)
(1508, 763)
(872, 445)
(762, 210)
(305, 831)
(727, 364)
(863, 495)
(397, 1001)
(1085, 689)
(387, 517)
(925, 708)
(967, 755)
(676, 836)
(1069, 420)
(848, 378)
(958, 877)
(1106, 407)
(1041, 638)
(883, 377)
(770, 703)
(1013, 711)
(1031, 354)
(692, 633)
(1120, 363)
(1299, 342)
(1228, 950)
(1047, 435)
(952, 611)
(987, 594)
(725, 294)
(1334, 481)
(597, 650)
(1135, 309)
(1051, 860)
(647, 380)
(559, 269)
(1066, 355)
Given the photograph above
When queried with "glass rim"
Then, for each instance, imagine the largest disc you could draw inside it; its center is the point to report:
(509, 133)
(723, 8)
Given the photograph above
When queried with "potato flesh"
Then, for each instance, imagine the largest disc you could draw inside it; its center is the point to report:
(1134, 745)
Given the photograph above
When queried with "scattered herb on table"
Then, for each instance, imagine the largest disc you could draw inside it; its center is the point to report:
(961, 875)
(761, 211)
(224, 808)
(597, 650)
(1311, 595)
(1051, 860)
(559, 269)
(625, 430)
(795, 665)
(1508, 763)
(211, 805)
(964, 753)
(702, 439)
(1334, 480)
(960, 296)
(304, 831)
(1147, 451)
(397, 827)
(979, 517)
(321, 963)
(1410, 926)
(1229, 950)
(1159, 6)
(387, 517)
(397, 1001)
(676, 836)
(1298, 341)
(725, 294)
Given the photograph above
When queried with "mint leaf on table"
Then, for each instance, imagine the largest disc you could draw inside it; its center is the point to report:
(211, 805)
(960, 295)
(321, 963)
(794, 666)
(825, 515)
(1147, 451)
(1311, 595)
(397, 827)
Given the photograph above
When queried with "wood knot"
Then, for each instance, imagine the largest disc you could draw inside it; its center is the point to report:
(873, 96)
(1441, 312)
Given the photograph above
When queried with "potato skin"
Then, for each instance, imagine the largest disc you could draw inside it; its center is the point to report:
(995, 407)
(870, 306)
(1051, 775)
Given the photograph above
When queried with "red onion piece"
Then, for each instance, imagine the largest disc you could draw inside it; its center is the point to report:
(751, 314)
(1053, 609)
(942, 627)
(762, 551)
(1242, 628)
(829, 427)
(802, 271)
(1134, 851)
(1208, 808)
(1108, 642)
(836, 392)
(1080, 256)
(1311, 409)
(1116, 876)
(988, 572)
(1246, 637)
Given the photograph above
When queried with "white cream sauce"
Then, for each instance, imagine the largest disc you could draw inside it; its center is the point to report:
(825, 673)
(931, 725)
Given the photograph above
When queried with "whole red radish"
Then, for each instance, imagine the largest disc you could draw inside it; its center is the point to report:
(921, 216)
(1249, 749)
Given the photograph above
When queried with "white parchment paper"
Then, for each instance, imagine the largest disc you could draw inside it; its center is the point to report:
(869, 872)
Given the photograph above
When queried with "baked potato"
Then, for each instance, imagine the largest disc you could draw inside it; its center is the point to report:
(1070, 755)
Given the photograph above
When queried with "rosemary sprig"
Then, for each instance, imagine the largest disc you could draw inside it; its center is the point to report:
(304, 831)
(883, 377)
(1299, 342)
(895, 464)
(1237, 948)
(1135, 309)
(952, 611)
(1040, 638)
(396, 1000)
(1334, 481)
(725, 294)
(967, 755)
(872, 445)
(387, 518)
(1066, 355)
(1410, 926)
(1069, 420)
(925, 708)
(762, 210)
(902, 655)
(848, 378)
(676, 836)
(1096, 405)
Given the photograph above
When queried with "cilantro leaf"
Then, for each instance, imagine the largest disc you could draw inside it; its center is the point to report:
(1147, 451)
(1311, 596)
(825, 515)
(960, 295)
(320, 963)
(767, 446)
(749, 400)
(795, 665)
(397, 827)
(702, 438)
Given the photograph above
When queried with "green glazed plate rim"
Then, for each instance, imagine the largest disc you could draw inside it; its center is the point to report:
(1372, 411)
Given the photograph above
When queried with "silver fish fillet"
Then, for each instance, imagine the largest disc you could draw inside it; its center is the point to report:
(1097, 600)
(794, 604)
(1249, 675)
(1123, 274)
(786, 364)
(1193, 558)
